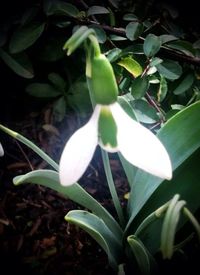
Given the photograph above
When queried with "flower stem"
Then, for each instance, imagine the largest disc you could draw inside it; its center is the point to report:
(112, 188)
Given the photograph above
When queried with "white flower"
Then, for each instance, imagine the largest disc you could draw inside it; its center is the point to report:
(114, 130)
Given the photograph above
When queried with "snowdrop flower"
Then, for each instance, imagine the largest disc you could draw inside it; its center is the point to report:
(115, 131)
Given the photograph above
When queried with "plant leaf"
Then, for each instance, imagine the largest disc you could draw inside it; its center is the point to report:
(97, 10)
(19, 63)
(183, 83)
(25, 36)
(140, 253)
(131, 65)
(134, 30)
(152, 45)
(42, 90)
(75, 192)
(98, 230)
(60, 8)
(169, 69)
(181, 143)
(139, 87)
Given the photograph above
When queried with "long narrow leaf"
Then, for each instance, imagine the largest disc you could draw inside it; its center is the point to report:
(74, 192)
(98, 230)
(181, 137)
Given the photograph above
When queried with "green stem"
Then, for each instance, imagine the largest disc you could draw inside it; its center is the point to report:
(95, 44)
(112, 188)
(31, 145)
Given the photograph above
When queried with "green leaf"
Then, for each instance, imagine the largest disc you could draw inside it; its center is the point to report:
(97, 10)
(139, 87)
(98, 230)
(42, 90)
(141, 254)
(19, 63)
(182, 46)
(169, 69)
(113, 54)
(59, 109)
(167, 38)
(183, 84)
(130, 17)
(162, 92)
(60, 8)
(25, 37)
(131, 65)
(169, 226)
(134, 30)
(75, 192)
(152, 45)
(100, 33)
(145, 113)
(57, 81)
(181, 143)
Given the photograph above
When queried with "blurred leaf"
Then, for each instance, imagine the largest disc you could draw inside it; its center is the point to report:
(25, 37)
(29, 15)
(145, 113)
(60, 8)
(130, 17)
(115, 3)
(115, 37)
(42, 90)
(183, 84)
(169, 69)
(78, 98)
(183, 46)
(152, 45)
(100, 33)
(134, 30)
(113, 54)
(59, 109)
(57, 81)
(162, 92)
(167, 38)
(131, 65)
(19, 63)
(52, 50)
(155, 61)
(97, 10)
(139, 87)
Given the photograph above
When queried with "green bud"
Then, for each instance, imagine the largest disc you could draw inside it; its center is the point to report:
(101, 81)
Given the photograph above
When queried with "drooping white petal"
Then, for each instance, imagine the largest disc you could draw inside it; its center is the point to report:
(79, 151)
(140, 146)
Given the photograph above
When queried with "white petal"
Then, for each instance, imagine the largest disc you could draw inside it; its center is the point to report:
(79, 151)
(1, 151)
(140, 146)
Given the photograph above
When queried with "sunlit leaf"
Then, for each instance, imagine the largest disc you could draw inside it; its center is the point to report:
(131, 65)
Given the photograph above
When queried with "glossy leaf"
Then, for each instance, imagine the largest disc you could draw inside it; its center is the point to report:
(169, 69)
(42, 90)
(98, 230)
(25, 37)
(140, 253)
(139, 87)
(97, 10)
(180, 144)
(134, 30)
(75, 192)
(152, 45)
(131, 65)
(167, 38)
(183, 83)
(19, 63)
